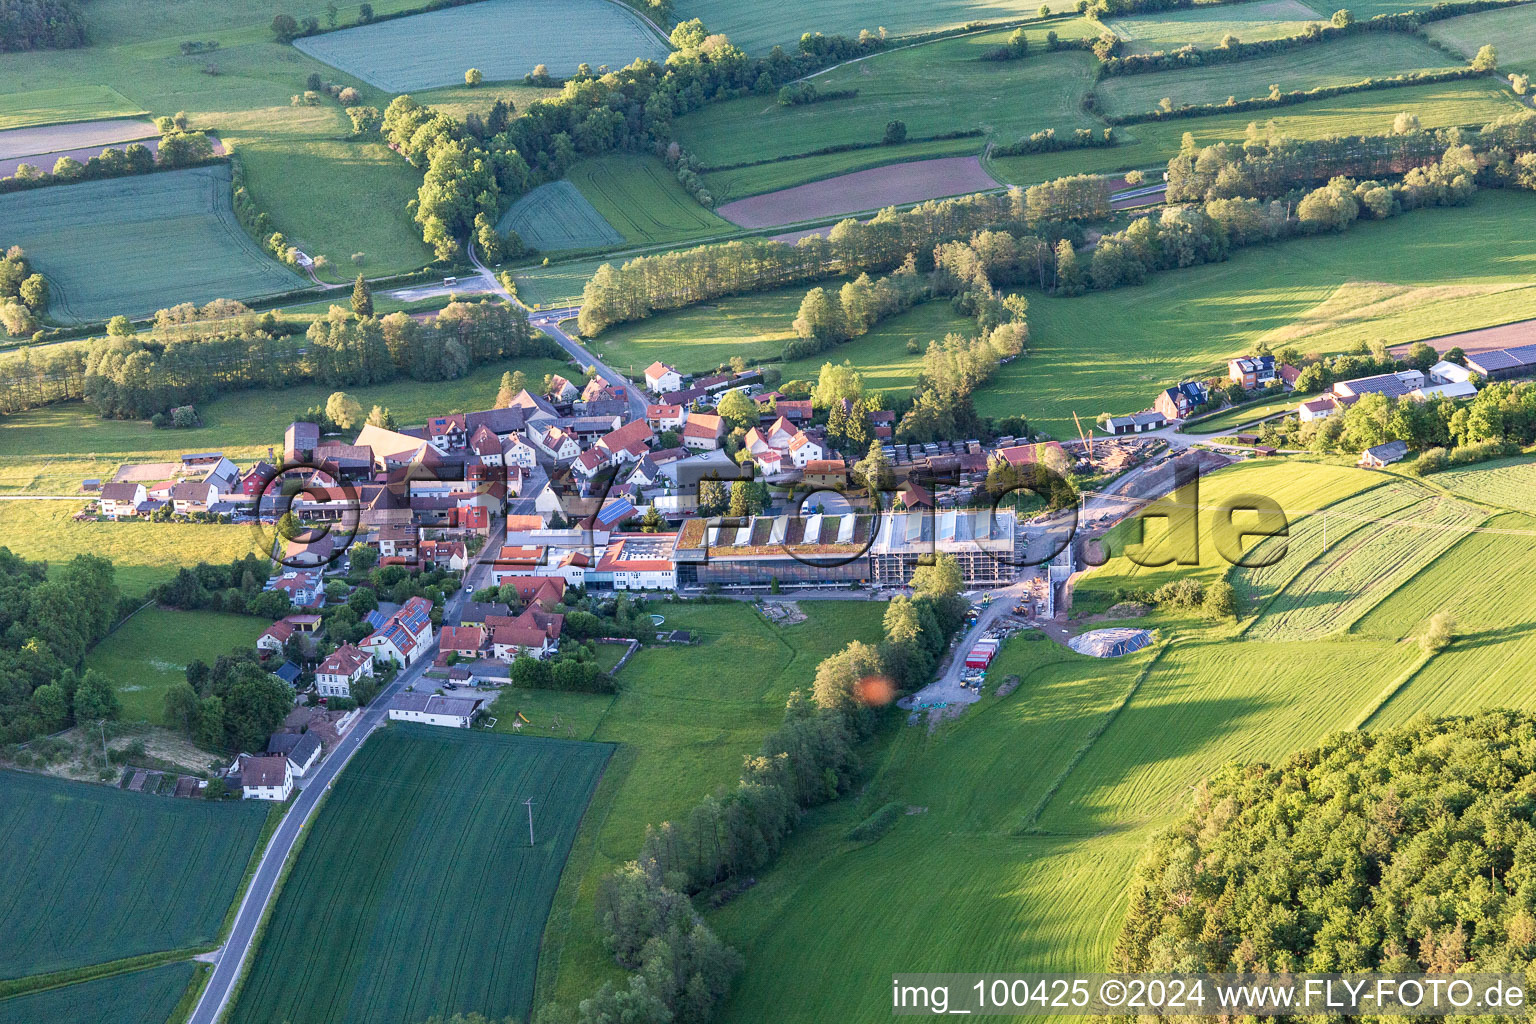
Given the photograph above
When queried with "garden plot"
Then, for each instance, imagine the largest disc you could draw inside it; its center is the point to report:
(557, 216)
(135, 245)
(1363, 567)
(505, 39)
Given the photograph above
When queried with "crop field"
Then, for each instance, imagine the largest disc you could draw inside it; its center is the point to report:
(1342, 61)
(757, 28)
(503, 38)
(133, 245)
(683, 721)
(382, 920)
(143, 997)
(1005, 100)
(90, 874)
(52, 138)
(557, 216)
(135, 658)
(57, 106)
(1487, 663)
(872, 189)
(1365, 566)
(1509, 483)
(1440, 280)
(639, 197)
(1467, 102)
(1206, 26)
(756, 326)
(1512, 31)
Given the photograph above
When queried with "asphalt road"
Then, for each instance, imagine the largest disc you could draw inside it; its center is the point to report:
(548, 321)
(231, 957)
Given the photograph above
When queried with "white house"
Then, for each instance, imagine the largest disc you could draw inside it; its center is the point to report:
(802, 450)
(267, 777)
(666, 417)
(345, 666)
(434, 709)
(405, 635)
(639, 561)
(189, 496)
(1317, 409)
(590, 462)
(517, 452)
(555, 442)
(660, 377)
(703, 431)
(119, 500)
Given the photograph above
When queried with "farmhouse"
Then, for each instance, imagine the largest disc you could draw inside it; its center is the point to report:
(1382, 455)
(341, 669)
(301, 749)
(1178, 402)
(435, 709)
(265, 777)
(122, 500)
(1318, 408)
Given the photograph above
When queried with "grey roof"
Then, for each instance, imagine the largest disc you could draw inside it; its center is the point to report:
(500, 421)
(434, 704)
(1389, 452)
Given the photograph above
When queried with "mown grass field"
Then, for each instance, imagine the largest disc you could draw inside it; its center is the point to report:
(328, 193)
(559, 284)
(757, 326)
(57, 106)
(1428, 273)
(1239, 417)
(417, 893)
(1006, 100)
(90, 874)
(1512, 31)
(1508, 483)
(643, 200)
(1467, 102)
(137, 658)
(683, 721)
(757, 28)
(133, 245)
(557, 216)
(505, 39)
(143, 997)
(1208, 25)
(1342, 61)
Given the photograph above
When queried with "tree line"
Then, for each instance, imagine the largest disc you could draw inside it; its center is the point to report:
(48, 621)
(138, 375)
(23, 294)
(475, 166)
(652, 284)
(40, 25)
(1352, 856)
(1184, 236)
(1269, 163)
(177, 149)
(680, 970)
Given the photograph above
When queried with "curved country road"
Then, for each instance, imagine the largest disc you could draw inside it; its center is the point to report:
(229, 960)
(548, 321)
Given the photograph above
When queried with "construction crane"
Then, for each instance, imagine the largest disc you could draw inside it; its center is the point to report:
(1088, 440)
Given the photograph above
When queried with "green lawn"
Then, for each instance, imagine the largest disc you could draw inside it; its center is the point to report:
(1467, 102)
(756, 326)
(92, 874)
(559, 284)
(683, 720)
(328, 194)
(70, 103)
(143, 997)
(416, 892)
(1428, 273)
(148, 654)
(641, 198)
(134, 245)
(1512, 32)
(1006, 100)
(1375, 55)
(1208, 25)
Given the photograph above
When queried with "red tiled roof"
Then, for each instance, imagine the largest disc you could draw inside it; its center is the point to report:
(344, 661)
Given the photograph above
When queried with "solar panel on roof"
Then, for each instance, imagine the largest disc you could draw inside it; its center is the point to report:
(1496, 359)
(1526, 354)
(615, 511)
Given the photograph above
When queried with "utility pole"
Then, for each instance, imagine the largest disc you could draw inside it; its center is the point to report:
(529, 802)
